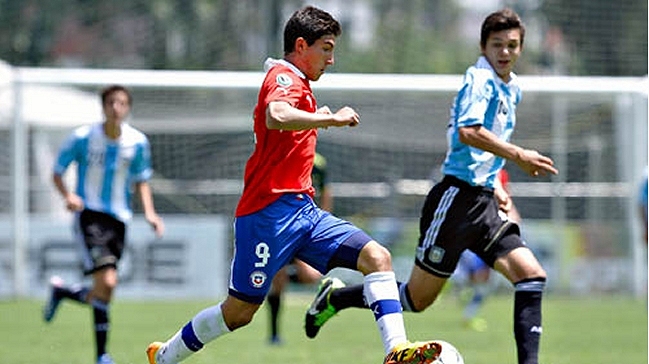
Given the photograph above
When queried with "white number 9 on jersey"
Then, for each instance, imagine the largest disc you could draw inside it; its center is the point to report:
(263, 252)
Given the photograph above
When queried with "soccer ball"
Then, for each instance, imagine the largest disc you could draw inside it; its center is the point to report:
(449, 354)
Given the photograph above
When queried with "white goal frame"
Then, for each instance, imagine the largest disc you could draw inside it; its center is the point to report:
(631, 95)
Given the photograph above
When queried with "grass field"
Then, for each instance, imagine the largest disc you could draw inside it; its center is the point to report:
(576, 330)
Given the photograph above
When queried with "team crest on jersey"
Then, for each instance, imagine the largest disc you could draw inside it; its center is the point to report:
(284, 80)
(257, 278)
(436, 254)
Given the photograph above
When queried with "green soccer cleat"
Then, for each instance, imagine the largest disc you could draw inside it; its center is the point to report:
(414, 353)
(321, 310)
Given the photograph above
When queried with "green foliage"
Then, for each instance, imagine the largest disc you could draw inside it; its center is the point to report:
(598, 37)
(576, 330)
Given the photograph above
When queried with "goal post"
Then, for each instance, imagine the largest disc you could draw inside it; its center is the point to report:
(200, 127)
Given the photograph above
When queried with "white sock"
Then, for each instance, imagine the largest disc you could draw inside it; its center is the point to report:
(206, 326)
(382, 296)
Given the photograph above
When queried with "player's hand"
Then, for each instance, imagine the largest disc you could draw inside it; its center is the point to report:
(346, 117)
(535, 164)
(73, 202)
(156, 223)
(504, 201)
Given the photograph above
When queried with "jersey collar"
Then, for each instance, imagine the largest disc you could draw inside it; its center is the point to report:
(483, 63)
(271, 62)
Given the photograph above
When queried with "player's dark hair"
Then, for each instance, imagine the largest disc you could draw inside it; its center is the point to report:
(106, 92)
(503, 19)
(311, 24)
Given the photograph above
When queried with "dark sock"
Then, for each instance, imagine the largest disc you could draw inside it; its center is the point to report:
(75, 293)
(527, 319)
(100, 313)
(404, 297)
(345, 297)
(274, 302)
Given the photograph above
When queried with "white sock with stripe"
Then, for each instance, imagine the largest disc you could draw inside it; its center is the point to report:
(206, 326)
(382, 296)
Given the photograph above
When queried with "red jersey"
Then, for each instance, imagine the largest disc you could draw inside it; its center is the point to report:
(503, 176)
(282, 159)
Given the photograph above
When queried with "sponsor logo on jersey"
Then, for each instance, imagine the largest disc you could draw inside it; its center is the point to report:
(257, 278)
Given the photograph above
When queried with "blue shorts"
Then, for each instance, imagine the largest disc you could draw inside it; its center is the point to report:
(291, 227)
(471, 263)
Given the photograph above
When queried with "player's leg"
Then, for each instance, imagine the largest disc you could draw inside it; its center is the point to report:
(422, 288)
(259, 254)
(305, 273)
(76, 292)
(382, 296)
(522, 268)
(340, 244)
(445, 228)
(104, 282)
(104, 236)
(204, 327)
(274, 300)
(60, 291)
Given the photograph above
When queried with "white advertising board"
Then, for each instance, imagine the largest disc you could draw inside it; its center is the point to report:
(191, 261)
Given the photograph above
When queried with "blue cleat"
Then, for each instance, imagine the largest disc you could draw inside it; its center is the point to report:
(105, 359)
(55, 298)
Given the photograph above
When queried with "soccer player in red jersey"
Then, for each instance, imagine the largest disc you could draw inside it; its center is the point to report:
(277, 219)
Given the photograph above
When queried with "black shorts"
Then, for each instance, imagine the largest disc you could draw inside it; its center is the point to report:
(102, 239)
(457, 216)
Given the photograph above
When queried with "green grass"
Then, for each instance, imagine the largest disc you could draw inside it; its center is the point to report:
(576, 330)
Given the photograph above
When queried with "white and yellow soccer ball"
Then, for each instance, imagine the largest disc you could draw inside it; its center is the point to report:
(449, 354)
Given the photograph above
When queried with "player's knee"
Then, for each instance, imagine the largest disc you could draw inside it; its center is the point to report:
(237, 313)
(374, 258)
(237, 319)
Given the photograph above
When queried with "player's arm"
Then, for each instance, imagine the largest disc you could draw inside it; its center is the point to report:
(281, 115)
(146, 197)
(531, 161)
(67, 154)
(505, 201)
(502, 196)
(72, 201)
(326, 199)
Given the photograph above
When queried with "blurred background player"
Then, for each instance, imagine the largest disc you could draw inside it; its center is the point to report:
(298, 271)
(111, 158)
(462, 211)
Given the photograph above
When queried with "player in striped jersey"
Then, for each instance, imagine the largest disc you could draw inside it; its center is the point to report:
(460, 212)
(111, 159)
(277, 220)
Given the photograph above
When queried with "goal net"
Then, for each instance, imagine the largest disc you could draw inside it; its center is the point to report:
(582, 222)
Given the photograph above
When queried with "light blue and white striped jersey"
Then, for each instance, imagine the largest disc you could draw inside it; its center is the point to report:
(484, 99)
(106, 168)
